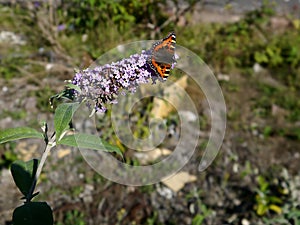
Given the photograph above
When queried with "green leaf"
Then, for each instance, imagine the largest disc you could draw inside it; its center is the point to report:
(198, 219)
(67, 94)
(275, 208)
(17, 133)
(89, 141)
(261, 209)
(261, 57)
(24, 174)
(63, 115)
(33, 213)
(73, 86)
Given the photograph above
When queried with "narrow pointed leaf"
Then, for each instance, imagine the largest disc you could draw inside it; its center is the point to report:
(13, 134)
(62, 118)
(73, 86)
(24, 174)
(276, 208)
(88, 141)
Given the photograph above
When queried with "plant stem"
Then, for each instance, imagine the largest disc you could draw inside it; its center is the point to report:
(50, 145)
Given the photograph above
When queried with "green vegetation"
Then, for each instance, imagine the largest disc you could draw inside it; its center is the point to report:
(73, 217)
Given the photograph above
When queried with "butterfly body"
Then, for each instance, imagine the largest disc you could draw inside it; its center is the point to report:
(162, 56)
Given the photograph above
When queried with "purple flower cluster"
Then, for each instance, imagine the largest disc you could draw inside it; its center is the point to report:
(101, 85)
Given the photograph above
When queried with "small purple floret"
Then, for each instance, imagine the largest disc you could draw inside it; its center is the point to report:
(102, 84)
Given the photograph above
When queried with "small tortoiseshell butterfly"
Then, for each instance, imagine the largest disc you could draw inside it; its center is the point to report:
(162, 56)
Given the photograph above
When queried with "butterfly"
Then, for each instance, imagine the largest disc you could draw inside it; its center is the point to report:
(162, 56)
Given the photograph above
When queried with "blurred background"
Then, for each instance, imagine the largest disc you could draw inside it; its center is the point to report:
(253, 48)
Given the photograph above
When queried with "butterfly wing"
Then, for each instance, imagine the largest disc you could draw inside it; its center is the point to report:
(163, 56)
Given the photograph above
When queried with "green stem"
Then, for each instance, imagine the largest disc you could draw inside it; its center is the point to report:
(46, 152)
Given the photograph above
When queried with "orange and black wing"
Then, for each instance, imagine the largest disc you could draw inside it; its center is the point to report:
(162, 56)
